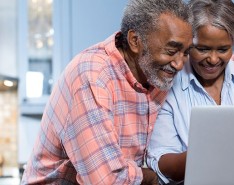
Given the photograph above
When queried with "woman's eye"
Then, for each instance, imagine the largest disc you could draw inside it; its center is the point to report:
(222, 50)
(202, 50)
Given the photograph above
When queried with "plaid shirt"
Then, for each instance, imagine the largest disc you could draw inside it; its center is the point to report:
(97, 124)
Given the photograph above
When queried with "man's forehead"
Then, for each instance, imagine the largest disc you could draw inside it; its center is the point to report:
(176, 32)
(171, 20)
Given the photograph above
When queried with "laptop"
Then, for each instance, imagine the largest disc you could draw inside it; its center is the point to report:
(210, 154)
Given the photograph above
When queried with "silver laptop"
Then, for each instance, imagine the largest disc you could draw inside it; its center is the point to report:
(210, 154)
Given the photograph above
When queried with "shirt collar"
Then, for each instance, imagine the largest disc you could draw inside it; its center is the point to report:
(118, 61)
(229, 72)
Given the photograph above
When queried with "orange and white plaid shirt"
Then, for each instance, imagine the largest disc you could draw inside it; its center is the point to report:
(97, 123)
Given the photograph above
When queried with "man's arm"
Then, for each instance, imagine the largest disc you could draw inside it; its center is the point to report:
(173, 165)
(90, 139)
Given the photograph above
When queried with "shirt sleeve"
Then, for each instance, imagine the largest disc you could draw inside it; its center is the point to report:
(164, 138)
(90, 138)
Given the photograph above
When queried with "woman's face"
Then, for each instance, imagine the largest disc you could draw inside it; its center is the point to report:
(211, 53)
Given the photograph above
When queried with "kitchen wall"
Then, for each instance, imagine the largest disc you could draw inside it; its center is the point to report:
(9, 127)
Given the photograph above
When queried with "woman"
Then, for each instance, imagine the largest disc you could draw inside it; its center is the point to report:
(207, 79)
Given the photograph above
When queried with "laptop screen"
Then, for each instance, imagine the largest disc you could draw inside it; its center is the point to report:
(210, 155)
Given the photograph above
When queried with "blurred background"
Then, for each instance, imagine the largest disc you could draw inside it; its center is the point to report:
(37, 40)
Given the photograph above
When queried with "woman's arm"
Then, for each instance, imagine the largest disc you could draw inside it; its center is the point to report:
(172, 165)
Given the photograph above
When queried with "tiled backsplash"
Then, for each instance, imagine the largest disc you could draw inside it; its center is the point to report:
(8, 127)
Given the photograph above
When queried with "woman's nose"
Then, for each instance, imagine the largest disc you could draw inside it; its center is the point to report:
(213, 58)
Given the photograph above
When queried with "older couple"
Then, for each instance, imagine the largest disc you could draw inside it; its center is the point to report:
(100, 116)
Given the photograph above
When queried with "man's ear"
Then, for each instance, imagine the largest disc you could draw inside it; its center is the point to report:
(134, 41)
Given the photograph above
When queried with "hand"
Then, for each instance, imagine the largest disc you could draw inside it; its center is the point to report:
(149, 177)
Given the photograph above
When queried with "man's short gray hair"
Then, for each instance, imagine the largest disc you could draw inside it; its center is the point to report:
(219, 13)
(142, 15)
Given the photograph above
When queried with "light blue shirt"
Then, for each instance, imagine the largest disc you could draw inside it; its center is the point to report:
(170, 133)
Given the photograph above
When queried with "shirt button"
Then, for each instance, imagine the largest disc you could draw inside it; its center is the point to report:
(150, 127)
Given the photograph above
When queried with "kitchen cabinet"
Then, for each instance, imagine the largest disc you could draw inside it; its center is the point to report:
(43, 43)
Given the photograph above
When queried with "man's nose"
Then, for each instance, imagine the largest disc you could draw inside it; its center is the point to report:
(179, 61)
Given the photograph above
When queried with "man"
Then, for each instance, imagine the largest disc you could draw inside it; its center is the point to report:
(101, 113)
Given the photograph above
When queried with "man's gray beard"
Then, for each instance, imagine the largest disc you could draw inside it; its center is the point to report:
(151, 71)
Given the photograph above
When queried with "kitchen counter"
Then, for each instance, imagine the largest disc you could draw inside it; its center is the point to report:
(10, 176)
(9, 180)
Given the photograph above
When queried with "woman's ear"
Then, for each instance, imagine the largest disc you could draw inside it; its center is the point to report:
(134, 41)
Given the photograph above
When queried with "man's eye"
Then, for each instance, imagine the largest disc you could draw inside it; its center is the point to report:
(171, 52)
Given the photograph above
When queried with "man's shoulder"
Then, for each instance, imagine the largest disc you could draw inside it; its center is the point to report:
(98, 55)
(93, 58)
